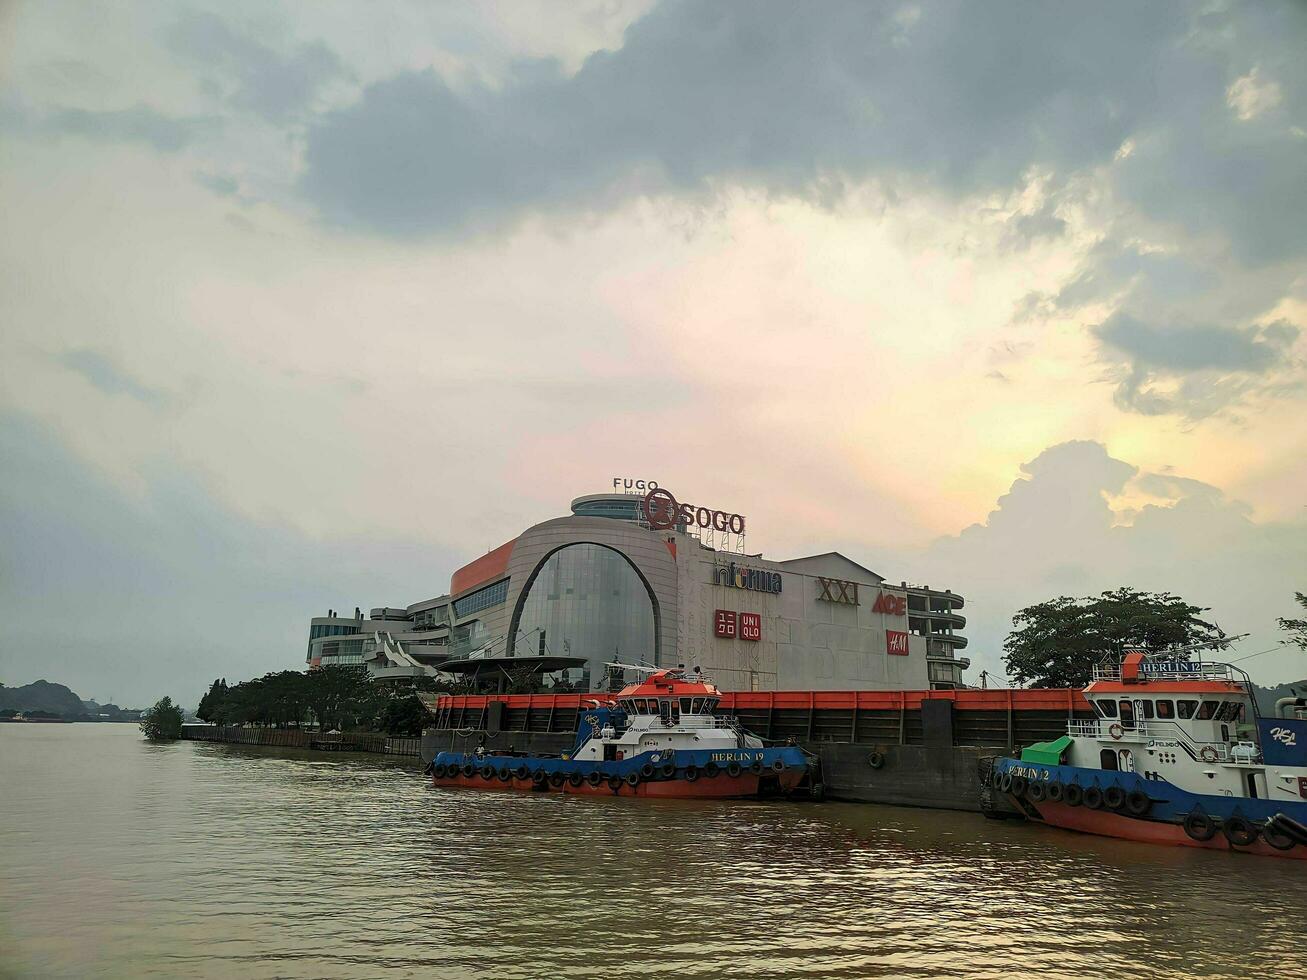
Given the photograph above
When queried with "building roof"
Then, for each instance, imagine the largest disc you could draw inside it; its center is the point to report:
(489, 567)
(832, 564)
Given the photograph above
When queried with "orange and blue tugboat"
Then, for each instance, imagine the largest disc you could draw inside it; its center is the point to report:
(656, 738)
(1177, 754)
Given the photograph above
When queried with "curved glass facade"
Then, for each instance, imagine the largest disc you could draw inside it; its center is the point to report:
(587, 601)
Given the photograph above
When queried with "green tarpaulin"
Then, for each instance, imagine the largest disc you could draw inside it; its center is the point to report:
(1047, 753)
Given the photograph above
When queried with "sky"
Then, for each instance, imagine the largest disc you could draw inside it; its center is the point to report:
(305, 305)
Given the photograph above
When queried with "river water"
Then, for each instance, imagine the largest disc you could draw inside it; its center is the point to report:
(123, 859)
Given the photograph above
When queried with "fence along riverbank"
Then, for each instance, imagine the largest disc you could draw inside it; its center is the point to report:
(297, 738)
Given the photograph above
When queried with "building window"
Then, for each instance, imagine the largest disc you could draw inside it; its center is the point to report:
(491, 595)
(587, 601)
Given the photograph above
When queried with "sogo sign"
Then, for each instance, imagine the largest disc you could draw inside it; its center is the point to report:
(663, 512)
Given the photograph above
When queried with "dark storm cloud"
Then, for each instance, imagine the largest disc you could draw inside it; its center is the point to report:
(788, 96)
(277, 86)
(138, 124)
(1198, 347)
(108, 377)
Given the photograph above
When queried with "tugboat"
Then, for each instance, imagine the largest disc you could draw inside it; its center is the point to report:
(1177, 753)
(655, 738)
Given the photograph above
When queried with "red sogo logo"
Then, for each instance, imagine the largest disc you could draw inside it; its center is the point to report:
(663, 512)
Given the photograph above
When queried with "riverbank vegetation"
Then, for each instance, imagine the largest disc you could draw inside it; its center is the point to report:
(338, 697)
(162, 722)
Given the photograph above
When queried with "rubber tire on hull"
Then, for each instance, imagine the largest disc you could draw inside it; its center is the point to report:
(876, 760)
(647, 771)
(595, 778)
(1017, 786)
(733, 769)
(1137, 803)
(469, 770)
(556, 779)
(668, 770)
(1094, 798)
(1073, 794)
(1004, 782)
(1054, 792)
(778, 766)
(1276, 837)
(438, 771)
(505, 775)
(1114, 797)
(711, 770)
(521, 772)
(633, 779)
(1199, 826)
(756, 768)
(614, 783)
(575, 779)
(1239, 831)
(1035, 792)
(487, 773)
(539, 777)
(691, 773)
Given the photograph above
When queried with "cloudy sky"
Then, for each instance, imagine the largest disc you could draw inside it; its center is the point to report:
(305, 305)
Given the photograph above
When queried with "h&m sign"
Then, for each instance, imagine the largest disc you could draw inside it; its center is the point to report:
(896, 643)
(837, 590)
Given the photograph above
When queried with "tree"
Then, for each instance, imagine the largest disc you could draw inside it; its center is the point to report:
(163, 722)
(404, 715)
(1296, 628)
(338, 694)
(214, 704)
(1057, 643)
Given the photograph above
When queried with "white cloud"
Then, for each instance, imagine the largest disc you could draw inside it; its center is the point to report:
(1251, 95)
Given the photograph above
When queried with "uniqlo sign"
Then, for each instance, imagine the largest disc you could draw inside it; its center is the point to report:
(750, 626)
(896, 643)
(724, 623)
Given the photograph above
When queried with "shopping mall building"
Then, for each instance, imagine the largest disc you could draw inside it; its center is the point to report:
(636, 577)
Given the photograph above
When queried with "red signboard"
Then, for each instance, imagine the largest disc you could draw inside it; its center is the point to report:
(896, 643)
(724, 623)
(750, 626)
(891, 605)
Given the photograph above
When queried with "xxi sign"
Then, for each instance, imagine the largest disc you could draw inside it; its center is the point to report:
(837, 590)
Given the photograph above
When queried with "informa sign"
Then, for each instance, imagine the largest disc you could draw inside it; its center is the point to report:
(750, 626)
(743, 577)
(896, 643)
(724, 624)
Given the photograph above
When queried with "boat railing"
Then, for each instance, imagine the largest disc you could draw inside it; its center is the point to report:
(1145, 731)
(1168, 670)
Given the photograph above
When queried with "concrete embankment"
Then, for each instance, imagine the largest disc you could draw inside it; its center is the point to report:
(295, 738)
(922, 748)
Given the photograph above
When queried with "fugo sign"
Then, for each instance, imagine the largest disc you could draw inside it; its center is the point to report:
(624, 484)
(662, 511)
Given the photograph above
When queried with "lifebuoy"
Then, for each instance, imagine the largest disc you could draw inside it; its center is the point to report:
(1073, 795)
(1239, 831)
(1035, 792)
(1093, 798)
(733, 769)
(1199, 826)
(1114, 797)
(595, 778)
(691, 773)
(1208, 754)
(1116, 731)
(1053, 791)
(1137, 803)
(876, 760)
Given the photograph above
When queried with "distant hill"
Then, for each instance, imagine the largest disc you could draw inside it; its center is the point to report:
(1267, 696)
(42, 696)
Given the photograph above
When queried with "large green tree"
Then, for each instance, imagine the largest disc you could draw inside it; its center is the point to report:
(1058, 642)
(163, 722)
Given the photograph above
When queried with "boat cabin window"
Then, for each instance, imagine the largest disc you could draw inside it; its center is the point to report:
(687, 708)
(1207, 710)
(1231, 711)
(697, 706)
(1165, 709)
(650, 706)
(1127, 714)
(708, 705)
(1186, 709)
(1147, 708)
(1106, 708)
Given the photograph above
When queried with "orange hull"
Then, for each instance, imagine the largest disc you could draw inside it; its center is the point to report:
(1105, 823)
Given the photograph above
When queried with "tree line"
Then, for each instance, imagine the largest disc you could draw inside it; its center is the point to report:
(339, 697)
